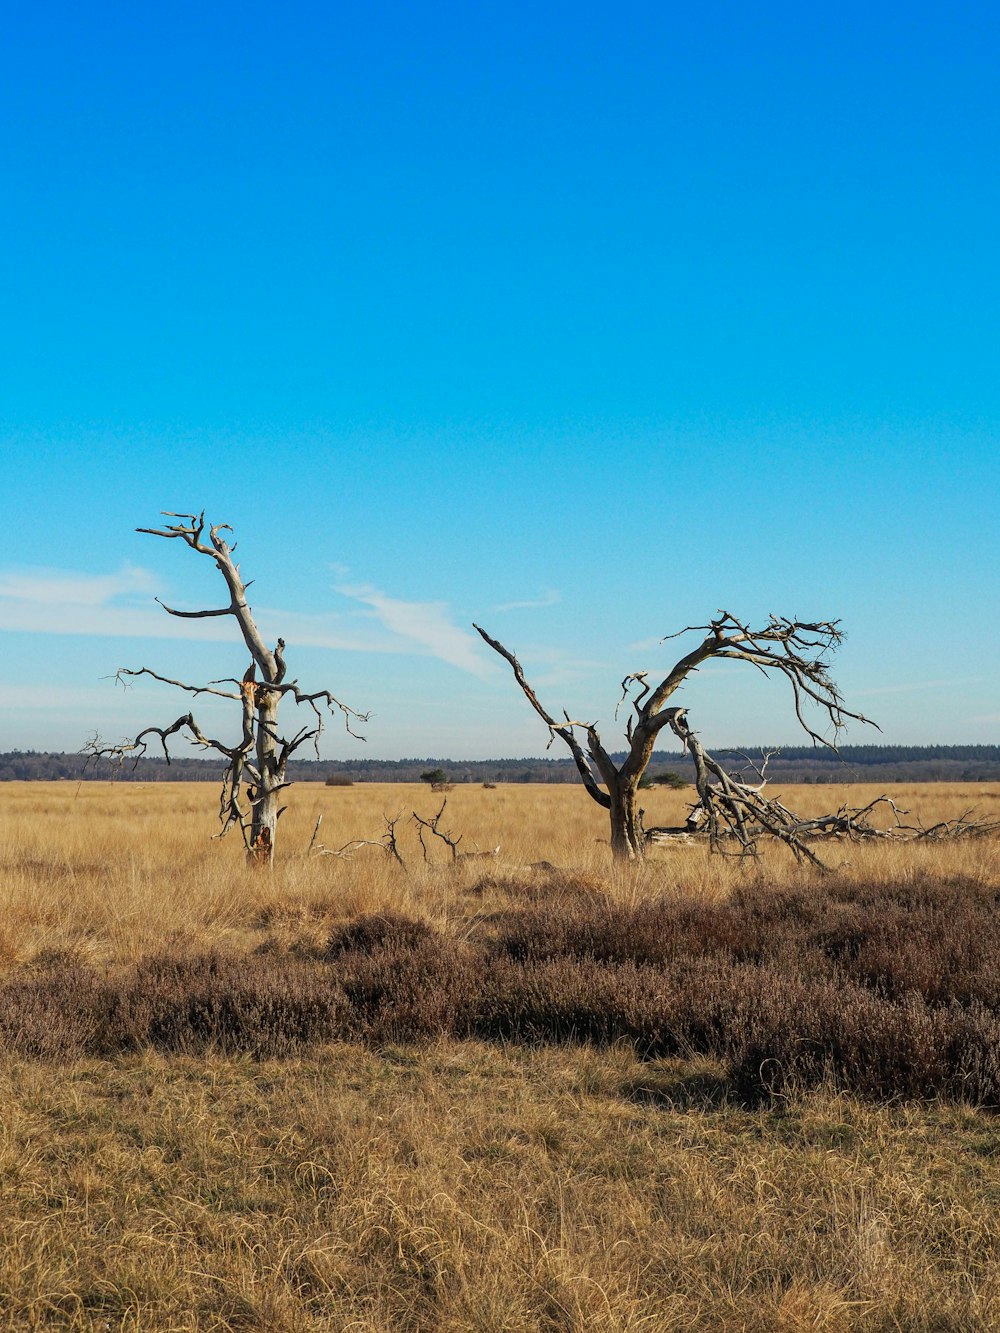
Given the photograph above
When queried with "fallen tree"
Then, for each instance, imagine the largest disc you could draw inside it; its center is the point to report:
(733, 813)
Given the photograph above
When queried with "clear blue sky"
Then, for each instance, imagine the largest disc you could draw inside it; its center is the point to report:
(578, 320)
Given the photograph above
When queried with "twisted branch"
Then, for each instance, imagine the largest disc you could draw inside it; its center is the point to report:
(564, 732)
(798, 649)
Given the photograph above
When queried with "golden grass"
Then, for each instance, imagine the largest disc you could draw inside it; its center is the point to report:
(464, 1186)
(471, 1188)
(110, 871)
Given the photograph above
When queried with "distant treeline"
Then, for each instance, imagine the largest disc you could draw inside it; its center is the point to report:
(794, 763)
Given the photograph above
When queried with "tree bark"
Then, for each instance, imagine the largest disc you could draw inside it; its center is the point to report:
(627, 840)
(271, 767)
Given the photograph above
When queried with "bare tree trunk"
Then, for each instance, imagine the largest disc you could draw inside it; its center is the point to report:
(627, 840)
(271, 767)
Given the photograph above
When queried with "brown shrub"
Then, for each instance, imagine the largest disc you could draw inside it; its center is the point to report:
(259, 1005)
(51, 1016)
(744, 929)
(377, 931)
(942, 953)
(887, 994)
(872, 1046)
(406, 990)
(942, 943)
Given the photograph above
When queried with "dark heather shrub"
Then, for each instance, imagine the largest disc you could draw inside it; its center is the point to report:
(566, 1000)
(943, 954)
(381, 930)
(873, 1047)
(406, 992)
(920, 890)
(50, 1017)
(975, 1066)
(652, 933)
(751, 927)
(889, 992)
(258, 1005)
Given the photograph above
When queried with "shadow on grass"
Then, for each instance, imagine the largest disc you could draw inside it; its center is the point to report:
(681, 1087)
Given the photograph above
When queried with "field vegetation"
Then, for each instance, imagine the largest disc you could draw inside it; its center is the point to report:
(535, 1091)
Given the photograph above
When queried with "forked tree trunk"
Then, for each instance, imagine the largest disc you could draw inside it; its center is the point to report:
(627, 841)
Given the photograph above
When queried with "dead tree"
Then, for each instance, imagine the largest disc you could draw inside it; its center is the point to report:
(256, 765)
(432, 826)
(734, 811)
(797, 649)
(388, 842)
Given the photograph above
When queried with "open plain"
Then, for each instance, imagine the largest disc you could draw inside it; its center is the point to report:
(491, 1094)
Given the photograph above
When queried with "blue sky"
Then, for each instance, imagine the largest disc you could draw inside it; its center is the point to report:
(578, 320)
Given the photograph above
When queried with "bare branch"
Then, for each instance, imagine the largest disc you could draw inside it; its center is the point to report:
(258, 797)
(389, 838)
(166, 680)
(731, 809)
(189, 533)
(799, 652)
(734, 809)
(193, 615)
(387, 842)
(634, 678)
(347, 848)
(564, 732)
(137, 747)
(314, 699)
(432, 827)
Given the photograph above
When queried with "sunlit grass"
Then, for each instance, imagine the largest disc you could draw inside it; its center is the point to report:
(456, 1185)
(114, 870)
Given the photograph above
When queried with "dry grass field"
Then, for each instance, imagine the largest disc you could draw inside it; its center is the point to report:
(693, 1094)
(111, 871)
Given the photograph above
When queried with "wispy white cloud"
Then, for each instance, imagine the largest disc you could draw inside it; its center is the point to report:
(120, 605)
(911, 686)
(19, 699)
(426, 624)
(57, 601)
(103, 622)
(548, 598)
(548, 667)
(50, 587)
(307, 629)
